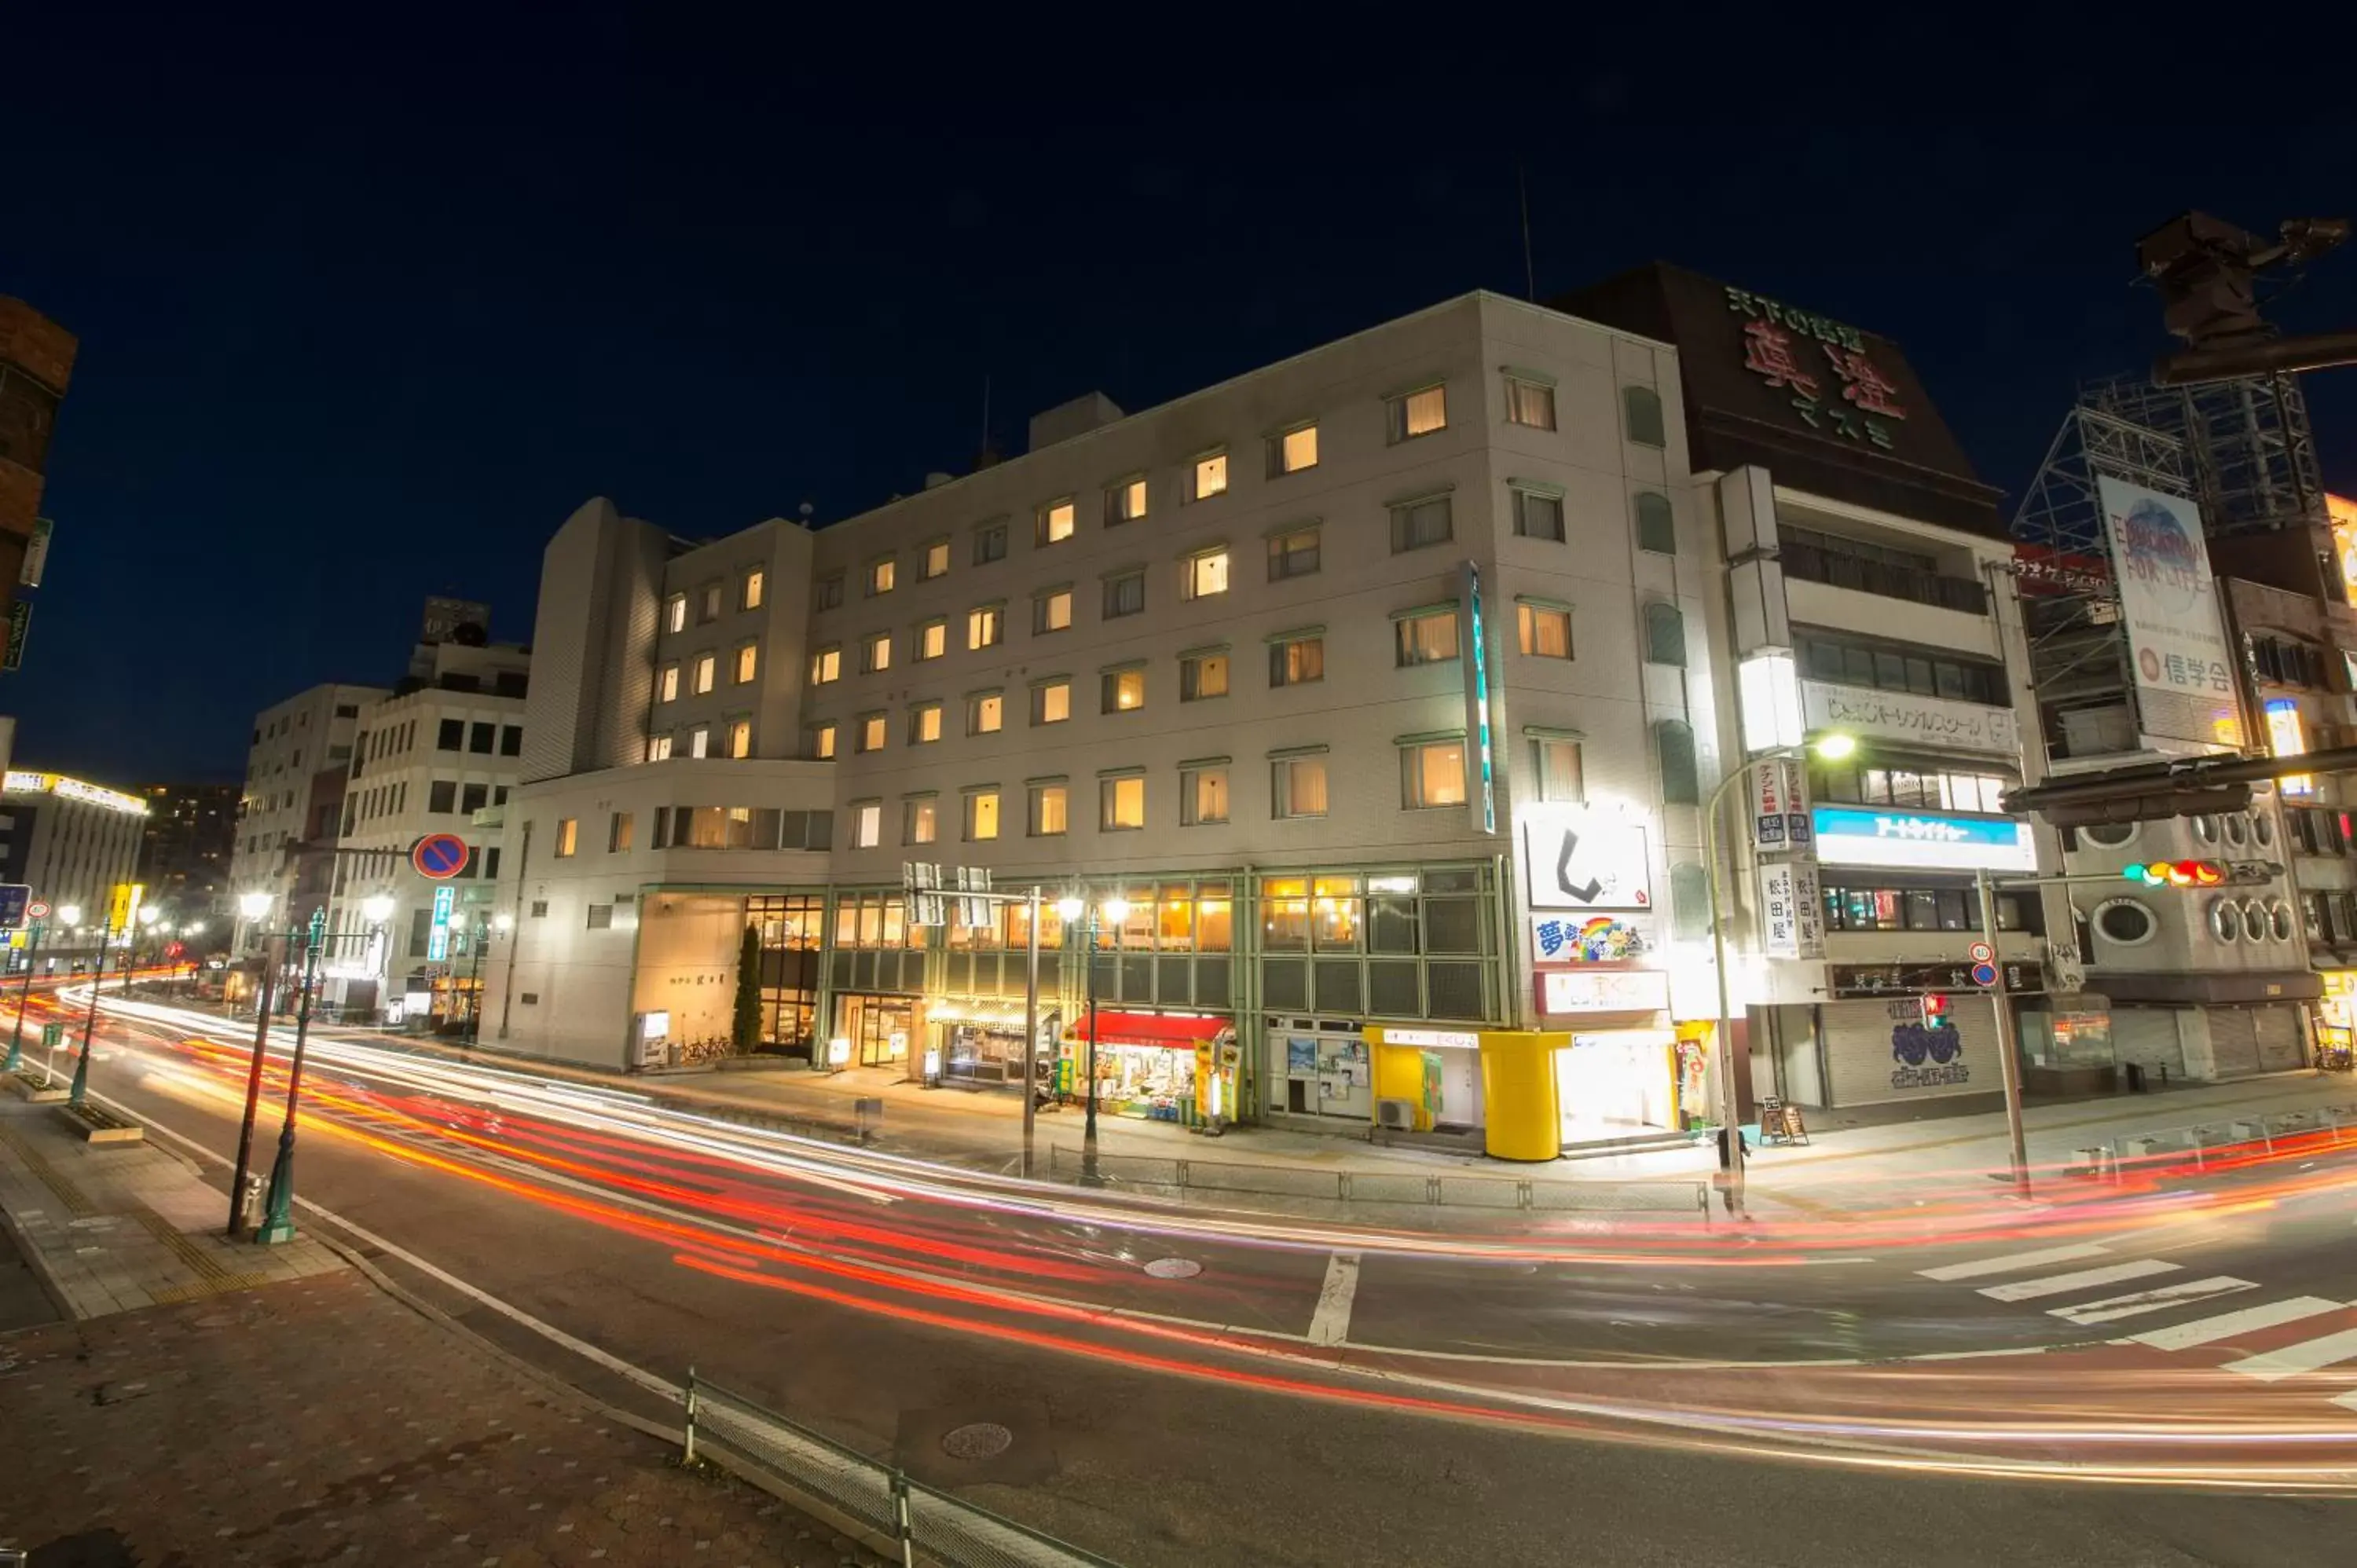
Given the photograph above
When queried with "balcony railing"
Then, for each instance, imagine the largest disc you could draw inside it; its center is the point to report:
(1838, 570)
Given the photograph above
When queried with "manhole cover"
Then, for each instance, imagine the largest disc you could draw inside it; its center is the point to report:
(1174, 1268)
(977, 1440)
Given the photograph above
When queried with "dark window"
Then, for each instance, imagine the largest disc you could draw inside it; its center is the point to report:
(480, 738)
(421, 928)
(1666, 634)
(442, 795)
(1922, 672)
(348, 710)
(1644, 409)
(473, 798)
(1656, 530)
(990, 544)
(512, 740)
(1673, 738)
(491, 863)
(451, 735)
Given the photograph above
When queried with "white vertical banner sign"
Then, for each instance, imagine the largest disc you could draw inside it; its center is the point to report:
(2183, 669)
(1791, 913)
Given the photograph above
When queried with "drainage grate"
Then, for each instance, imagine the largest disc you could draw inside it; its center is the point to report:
(1174, 1268)
(977, 1440)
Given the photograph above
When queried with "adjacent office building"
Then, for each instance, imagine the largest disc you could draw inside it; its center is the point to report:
(74, 844)
(185, 854)
(295, 743)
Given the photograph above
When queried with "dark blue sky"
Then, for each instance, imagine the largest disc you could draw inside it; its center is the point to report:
(363, 318)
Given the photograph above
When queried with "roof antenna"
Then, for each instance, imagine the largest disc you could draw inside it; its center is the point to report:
(1530, 270)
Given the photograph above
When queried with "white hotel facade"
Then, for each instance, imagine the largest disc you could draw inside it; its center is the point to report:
(1235, 660)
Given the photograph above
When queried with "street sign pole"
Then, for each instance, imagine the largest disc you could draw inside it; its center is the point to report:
(2009, 1050)
(24, 1000)
(1030, 1029)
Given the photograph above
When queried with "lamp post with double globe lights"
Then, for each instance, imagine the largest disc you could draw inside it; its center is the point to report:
(1091, 917)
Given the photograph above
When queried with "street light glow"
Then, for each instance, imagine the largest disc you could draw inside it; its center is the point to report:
(1834, 747)
(1116, 909)
(69, 913)
(377, 909)
(502, 921)
(149, 914)
(1070, 908)
(253, 905)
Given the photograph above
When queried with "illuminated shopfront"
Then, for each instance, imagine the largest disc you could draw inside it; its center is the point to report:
(1155, 1067)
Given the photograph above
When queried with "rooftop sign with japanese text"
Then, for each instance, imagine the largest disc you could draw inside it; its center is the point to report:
(1937, 841)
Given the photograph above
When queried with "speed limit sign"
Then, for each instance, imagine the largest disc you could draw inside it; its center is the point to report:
(1983, 954)
(37, 911)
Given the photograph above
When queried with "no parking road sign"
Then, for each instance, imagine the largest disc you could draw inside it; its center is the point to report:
(437, 857)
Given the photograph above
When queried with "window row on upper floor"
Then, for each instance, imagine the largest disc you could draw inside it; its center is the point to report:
(715, 597)
(1529, 399)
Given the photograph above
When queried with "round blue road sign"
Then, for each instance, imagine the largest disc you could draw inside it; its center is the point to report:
(439, 858)
(1984, 974)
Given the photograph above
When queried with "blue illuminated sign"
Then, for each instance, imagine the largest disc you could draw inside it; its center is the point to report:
(1861, 835)
(1477, 697)
(437, 940)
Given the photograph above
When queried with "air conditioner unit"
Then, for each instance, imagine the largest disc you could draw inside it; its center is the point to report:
(1399, 1115)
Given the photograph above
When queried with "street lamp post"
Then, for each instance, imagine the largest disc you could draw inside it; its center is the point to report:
(90, 1023)
(24, 997)
(1072, 909)
(254, 908)
(1730, 1151)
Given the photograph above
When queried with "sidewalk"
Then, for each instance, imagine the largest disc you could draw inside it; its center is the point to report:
(278, 1407)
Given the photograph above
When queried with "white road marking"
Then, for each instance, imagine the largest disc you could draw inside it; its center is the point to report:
(2085, 1279)
(2112, 1308)
(2348, 1400)
(2290, 1361)
(2013, 1262)
(1330, 1323)
(2226, 1325)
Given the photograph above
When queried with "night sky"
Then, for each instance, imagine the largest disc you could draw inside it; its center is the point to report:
(364, 318)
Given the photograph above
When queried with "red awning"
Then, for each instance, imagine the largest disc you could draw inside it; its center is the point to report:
(1168, 1030)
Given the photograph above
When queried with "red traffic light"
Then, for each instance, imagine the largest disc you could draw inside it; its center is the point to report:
(2176, 874)
(1935, 1011)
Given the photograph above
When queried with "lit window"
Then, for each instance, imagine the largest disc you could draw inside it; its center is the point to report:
(1432, 774)
(827, 665)
(675, 613)
(755, 581)
(1203, 675)
(1126, 502)
(668, 691)
(1558, 768)
(1052, 611)
(985, 628)
(866, 824)
(1120, 803)
(659, 748)
(1298, 786)
(1209, 477)
(821, 742)
(936, 562)
(1207, 574)
(748, 662)
(981, 816)
(933, 639)
(1296, 660)
(1419, 414)
(1052, 702)
(1545, 631)
(871, 733)
(1530, 403)
(1421, 523)
(617, 832)
(1124, 690)
(568, 836)
(984, 713)
(740, 737)
(1125, 594)
(919, 820)
(1049, 809)
(1203, 794)
(880, 575)
(1293, 553)
(1428, 639)
(1056, 522)
(876, 653)
(708, 671)
(699, 741)
(924, 724)
(1538, 515)
(989, 543)
(1293, 451)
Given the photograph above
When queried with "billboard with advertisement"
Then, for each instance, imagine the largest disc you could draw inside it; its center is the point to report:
(1576, 857)
(1791, 910)
(2181, 667)
(1931, 840)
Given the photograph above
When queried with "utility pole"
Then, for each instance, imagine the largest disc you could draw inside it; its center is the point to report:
(2008, 1048)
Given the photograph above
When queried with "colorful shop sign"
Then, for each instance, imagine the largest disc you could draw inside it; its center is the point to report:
(1775, 342)
(1568, 991)
(1598, 938)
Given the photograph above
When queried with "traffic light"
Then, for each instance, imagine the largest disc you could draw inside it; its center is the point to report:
(2178, 874)
(1935, 1011)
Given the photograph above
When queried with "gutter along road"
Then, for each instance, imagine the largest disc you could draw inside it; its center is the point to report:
(1954, 1369)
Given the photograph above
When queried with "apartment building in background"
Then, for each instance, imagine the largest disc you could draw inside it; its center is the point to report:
(295, 742)
(185, 854)
(74, 843)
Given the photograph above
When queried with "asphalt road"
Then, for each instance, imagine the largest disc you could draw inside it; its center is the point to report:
(1436, 1422)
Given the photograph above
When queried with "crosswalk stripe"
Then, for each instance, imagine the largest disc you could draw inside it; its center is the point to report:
(2113, 1308)
(2085, 1279)
(2013, 1262)
(2349, 1399)
(2226, 1325)
(2290, 1361)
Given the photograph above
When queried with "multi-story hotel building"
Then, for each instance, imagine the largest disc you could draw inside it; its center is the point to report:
(1385, 685)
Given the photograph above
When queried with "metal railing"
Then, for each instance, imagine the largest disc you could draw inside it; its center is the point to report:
(923, 1523)
(1838, 569)
(2207, 1141)
(1148, 1171)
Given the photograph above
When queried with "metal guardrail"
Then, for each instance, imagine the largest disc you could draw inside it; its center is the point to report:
(2208, 1140)
(1378, 1186)
(928, 1525)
